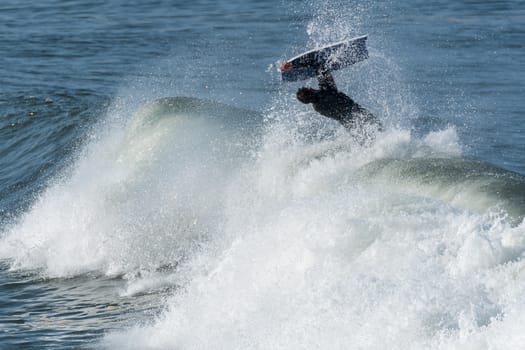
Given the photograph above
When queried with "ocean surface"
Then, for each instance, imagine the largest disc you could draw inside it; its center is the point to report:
(161, 188)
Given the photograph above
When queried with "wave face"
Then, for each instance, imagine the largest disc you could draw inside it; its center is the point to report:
(465, 183)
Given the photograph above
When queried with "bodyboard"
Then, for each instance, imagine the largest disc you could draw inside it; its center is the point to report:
(328, 58)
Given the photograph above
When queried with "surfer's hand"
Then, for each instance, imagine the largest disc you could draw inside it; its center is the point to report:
(285, 66)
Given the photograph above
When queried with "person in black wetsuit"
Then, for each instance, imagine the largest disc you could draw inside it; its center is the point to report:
(331, 103)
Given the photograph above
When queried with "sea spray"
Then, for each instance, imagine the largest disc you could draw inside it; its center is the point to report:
(136, 199)
(315, 257)
(300, 241)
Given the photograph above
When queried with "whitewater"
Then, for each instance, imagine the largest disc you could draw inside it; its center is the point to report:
(275, 229)
(270, 238)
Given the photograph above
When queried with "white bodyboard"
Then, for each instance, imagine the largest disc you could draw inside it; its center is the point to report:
(328, 58)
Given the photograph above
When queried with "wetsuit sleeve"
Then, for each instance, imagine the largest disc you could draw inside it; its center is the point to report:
(326, 81)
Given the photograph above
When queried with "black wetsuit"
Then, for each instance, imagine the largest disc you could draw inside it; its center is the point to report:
(334, 104)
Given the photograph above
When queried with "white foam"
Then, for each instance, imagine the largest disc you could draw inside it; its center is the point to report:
(309, 259)
(287, 250)
(134, 200)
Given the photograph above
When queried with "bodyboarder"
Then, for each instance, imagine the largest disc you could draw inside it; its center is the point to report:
(331, 103)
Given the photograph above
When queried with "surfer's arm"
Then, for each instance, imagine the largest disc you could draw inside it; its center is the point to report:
(326, 81)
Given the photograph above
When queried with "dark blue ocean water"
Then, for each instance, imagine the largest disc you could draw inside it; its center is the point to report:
(71, 70)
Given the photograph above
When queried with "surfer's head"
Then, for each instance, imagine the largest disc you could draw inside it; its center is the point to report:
(307, 95)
